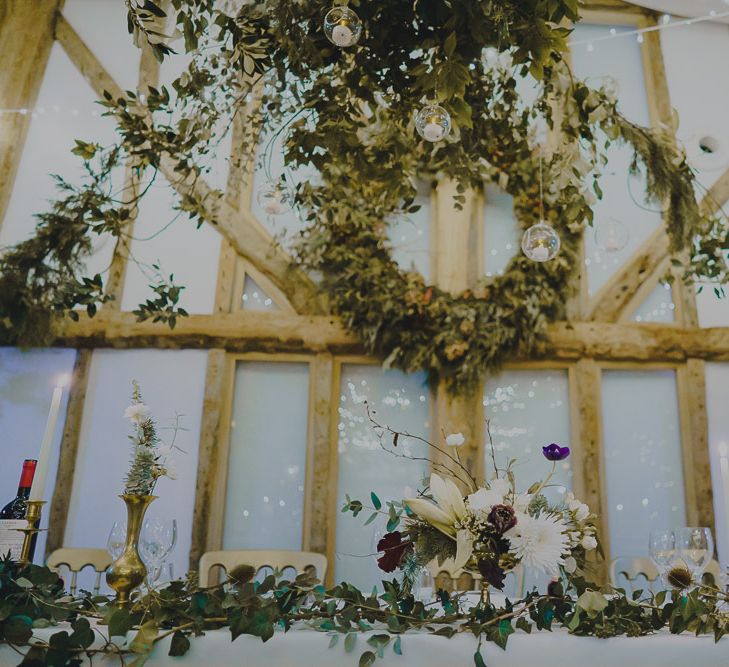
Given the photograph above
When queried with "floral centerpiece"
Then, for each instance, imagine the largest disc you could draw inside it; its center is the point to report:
(489, 529)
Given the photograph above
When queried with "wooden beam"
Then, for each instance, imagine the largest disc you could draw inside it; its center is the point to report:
(61, 499)
(148, 77)
(586, 398)
(691, 384)
(237, 226)
(26, 37)
(319, 486)
(209, 463)
(457, 266)
(248, 331)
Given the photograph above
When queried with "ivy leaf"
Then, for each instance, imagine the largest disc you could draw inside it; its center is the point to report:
(592, 603)
(478, 659)
(179, 645)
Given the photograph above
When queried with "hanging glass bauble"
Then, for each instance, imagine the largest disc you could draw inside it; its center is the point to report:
(611, 235)
(540, 242)
(274, 199)
(342, 27)
(433, 123)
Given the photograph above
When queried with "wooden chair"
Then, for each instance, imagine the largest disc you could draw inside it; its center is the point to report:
(633, 570)
(449, 579)
(301, 561)
(76, 560)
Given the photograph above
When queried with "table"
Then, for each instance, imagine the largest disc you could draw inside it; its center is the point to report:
(307, 648)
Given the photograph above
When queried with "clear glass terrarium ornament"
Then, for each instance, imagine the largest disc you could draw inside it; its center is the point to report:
(611, 235)
(433, 123)
(342, 27)
(540, 242)
(274, 199)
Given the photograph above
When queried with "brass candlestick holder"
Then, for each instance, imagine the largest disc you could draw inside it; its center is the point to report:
(33, 517)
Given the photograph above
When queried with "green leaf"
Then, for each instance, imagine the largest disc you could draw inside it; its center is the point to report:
(592, 603)
(366, 659)
(143, 641)
(350, 641)
(179, 645)
(333, 641)
(376, 502)
(397, 646)
(478, 659)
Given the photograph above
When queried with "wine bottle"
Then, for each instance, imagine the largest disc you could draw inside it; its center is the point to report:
(12, 516)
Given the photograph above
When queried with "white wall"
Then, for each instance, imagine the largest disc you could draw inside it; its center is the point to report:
(172, 382)
(27, 379)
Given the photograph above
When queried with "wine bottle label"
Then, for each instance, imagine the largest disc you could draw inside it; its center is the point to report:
(11, 539)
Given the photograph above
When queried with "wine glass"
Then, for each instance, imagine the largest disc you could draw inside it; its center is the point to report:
(157, 540)
(695, 547)
(117, 538)
(662, 548)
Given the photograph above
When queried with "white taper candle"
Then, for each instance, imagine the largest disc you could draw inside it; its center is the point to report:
(44, 457)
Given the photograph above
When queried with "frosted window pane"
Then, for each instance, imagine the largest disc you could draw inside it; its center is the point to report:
(172, 383)
(501, 232)
(528, 409)
(620, 59)
(254, 298)
(180, 248)
(717, 381)
(402, 402)
(66, 110)
(27, 379)
(701, 101)
(102, 25)
(267, 462)
(658, 306)
(410, 235)
(643, 460)
(713, 310)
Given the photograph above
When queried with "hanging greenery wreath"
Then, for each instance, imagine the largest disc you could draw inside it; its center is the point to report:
(351, 114)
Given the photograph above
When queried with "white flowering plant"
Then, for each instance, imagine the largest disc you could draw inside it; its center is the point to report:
(150, 459)
(491, 528)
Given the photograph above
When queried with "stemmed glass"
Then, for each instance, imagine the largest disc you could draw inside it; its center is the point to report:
(695, 547)
(117, 538)
(157, 540)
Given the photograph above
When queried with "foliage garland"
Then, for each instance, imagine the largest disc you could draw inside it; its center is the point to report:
(33, 598)
(349, 114)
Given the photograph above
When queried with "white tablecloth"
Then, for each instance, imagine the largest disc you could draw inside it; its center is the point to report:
(307, 648)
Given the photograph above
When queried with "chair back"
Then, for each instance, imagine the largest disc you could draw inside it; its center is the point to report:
(76, 560)
(301, 561)
(447, 578)
(633, 570)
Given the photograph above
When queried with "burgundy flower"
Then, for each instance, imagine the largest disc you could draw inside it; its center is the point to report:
(394, 551)
(502, 517)
(492, 573)
(554, 452)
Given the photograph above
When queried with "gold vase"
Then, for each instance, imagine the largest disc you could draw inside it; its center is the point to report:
(128, 571)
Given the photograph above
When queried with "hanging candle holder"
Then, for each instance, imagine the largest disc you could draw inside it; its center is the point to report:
(342, 27)
(274, 199)
(611, 235)
(540, 242)
(433, 123)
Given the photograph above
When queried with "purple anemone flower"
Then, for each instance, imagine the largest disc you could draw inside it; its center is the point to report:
(554, 452)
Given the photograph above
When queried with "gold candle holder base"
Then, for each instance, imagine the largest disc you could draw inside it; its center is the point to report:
(33, 517)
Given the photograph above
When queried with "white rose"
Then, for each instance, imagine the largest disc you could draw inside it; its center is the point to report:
(582, 512)
(455, 439)
(570, 564)
(589, 542)
(137, 413)
(483, 500)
